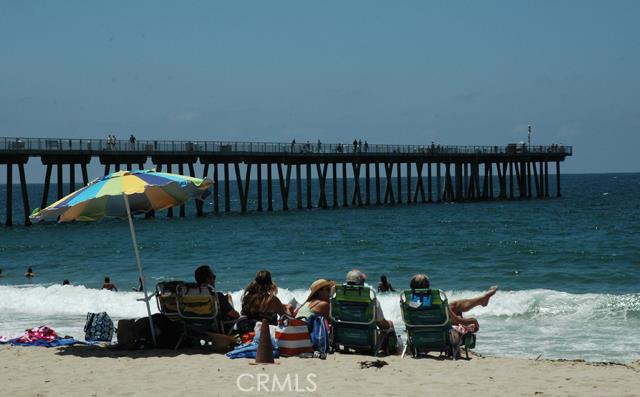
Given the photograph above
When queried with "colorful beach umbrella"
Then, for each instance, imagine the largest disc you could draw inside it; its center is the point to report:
(119, 195)
(146, 190)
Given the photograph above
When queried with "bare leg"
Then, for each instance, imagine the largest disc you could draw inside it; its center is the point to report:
(464, 305)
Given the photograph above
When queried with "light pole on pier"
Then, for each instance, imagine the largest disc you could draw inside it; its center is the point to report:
(529, 135)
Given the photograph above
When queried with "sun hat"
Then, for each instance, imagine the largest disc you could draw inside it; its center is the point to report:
(356, 277)
(318, 285)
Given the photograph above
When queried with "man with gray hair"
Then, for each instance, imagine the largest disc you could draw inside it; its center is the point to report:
(356, 277)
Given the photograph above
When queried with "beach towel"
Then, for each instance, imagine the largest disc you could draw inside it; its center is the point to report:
(40, 336)
(420, 300)
(43, 343)
(42, 333)
(248, 350)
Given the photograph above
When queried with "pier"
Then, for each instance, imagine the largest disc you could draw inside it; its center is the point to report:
(382, 174)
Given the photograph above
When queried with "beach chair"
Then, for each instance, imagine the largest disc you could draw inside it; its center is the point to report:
(193, 306)
(198, 310)
(425, 313)
(166, 298)
(353, 321)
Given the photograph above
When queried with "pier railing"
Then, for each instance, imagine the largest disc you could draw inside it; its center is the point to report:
(98, 146)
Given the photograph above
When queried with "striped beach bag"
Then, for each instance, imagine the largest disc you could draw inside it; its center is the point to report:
(293, 337)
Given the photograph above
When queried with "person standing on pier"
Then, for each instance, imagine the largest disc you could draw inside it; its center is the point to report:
(132, 140)
(293, 145)
(355, 145)
(319, 146)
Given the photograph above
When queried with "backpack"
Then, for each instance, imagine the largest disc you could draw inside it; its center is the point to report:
(319, 333)
(98, 327)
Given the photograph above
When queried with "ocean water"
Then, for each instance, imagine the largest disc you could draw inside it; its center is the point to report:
(568, 269)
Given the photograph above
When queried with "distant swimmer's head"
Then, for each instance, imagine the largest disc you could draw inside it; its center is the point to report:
(419, 281)
(204, 275)
(356, 277)
(66, 282)
(107, 280)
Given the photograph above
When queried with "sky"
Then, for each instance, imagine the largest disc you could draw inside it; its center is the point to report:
(410, 72)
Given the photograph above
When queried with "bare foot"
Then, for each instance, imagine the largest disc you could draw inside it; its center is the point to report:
(488, 295)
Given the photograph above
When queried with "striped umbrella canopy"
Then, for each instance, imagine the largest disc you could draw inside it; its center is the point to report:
(145, 190)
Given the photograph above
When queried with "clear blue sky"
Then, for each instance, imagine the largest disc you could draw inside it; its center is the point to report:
(475, 72)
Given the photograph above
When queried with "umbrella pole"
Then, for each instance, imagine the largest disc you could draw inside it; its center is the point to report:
(144, 284)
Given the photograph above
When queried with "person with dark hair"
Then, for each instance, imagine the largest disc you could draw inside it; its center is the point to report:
(108, 285)
(206, 278)
(384, 285)
(29, 273)
(457, 308)
(259, 299)
(66, 282)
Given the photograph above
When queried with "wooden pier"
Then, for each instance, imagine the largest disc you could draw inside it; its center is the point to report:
(451, 173)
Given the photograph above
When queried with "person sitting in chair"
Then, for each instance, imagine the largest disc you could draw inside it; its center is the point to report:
(356, 277)
(206, 278)
(318, 300)
(456, 308)
(260, 300)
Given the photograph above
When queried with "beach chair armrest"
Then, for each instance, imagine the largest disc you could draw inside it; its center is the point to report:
(353, 322)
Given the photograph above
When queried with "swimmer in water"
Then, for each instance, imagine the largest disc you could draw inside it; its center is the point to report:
(384, 285)
(29, 274)
(108, 285)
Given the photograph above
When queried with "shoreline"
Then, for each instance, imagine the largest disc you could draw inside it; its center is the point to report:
(95, 371)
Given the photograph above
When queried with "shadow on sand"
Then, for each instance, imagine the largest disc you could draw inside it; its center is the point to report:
(86, 351)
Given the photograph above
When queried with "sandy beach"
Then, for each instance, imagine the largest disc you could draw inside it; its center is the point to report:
(92, 371)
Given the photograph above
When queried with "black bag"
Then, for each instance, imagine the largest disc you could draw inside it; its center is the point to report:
(167, 332)
(126, 334)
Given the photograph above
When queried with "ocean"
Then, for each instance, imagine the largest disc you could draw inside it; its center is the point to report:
(568, 269)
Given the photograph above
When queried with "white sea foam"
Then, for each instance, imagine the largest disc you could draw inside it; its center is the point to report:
(515, 323)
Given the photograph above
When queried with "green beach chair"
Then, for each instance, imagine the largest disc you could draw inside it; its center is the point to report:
(353, 322)
(425, 313)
